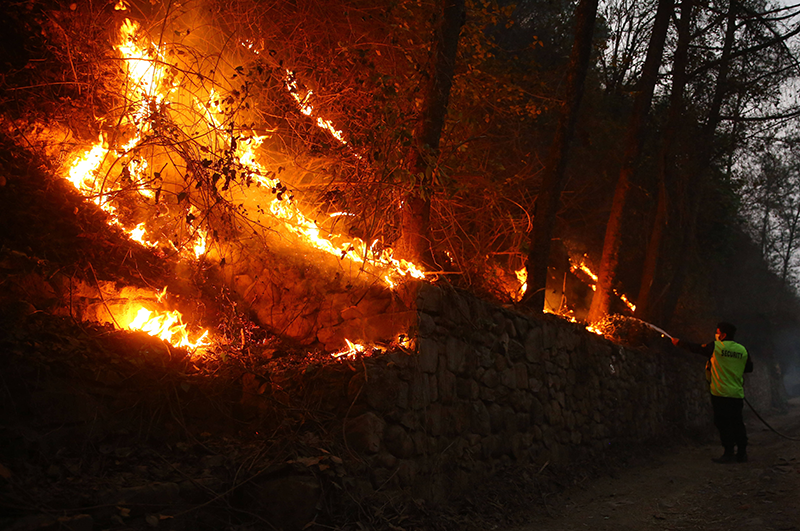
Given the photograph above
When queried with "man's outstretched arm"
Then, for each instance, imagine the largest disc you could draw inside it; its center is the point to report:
(706, 350)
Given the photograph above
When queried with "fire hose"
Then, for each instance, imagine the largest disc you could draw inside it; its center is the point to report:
(767, 424)
(665, 334)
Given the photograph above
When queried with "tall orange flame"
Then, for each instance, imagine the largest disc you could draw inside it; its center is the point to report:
(167, 326)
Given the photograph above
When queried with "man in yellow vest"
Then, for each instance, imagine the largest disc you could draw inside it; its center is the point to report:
(727, 363)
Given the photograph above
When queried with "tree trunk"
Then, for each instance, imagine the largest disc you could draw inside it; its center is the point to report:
(791, 243)
(415, 243)
(694, 178)
(633, 146)
(646, 307)
(549, 198)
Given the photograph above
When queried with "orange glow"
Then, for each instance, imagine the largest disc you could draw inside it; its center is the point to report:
(167, 326)
(124, 171)
(624, 299)
(583, 267)
(594, 330)
(522, 278)
(351, 351)
(148, 86)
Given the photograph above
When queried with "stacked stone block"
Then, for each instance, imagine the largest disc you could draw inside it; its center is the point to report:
(487, 386)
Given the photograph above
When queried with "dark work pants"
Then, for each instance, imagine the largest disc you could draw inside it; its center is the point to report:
(728, 420)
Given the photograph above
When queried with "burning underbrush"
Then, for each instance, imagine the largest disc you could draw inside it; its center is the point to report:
(187, 168)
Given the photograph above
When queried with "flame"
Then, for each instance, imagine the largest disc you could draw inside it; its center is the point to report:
(583, 267)
(151, 87)
(141, 64)
(308, 109)
(138, 234)
(167, 326)
(624, 299)
(83, 174)
(593, 329)
(147, 85)
(522, 278)
(351, 351)
(200, 244)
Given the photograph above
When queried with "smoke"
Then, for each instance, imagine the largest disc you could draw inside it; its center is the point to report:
(787, 353)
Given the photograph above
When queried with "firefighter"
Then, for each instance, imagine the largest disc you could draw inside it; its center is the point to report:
(727, 363)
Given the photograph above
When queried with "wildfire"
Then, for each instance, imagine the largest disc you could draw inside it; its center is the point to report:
(156, 85)
(351, 351)
(594, 330)
(585, 269)
(522, 278)
(308, 109)
(167, 326)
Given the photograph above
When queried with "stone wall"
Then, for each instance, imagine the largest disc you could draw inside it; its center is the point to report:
(488, 386)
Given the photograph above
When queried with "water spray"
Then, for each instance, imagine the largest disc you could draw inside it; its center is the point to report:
(654, 327)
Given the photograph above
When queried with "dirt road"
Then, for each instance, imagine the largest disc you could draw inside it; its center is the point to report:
(682, 489)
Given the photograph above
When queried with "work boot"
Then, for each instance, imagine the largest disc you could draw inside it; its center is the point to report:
(727, 457)
(741, 457)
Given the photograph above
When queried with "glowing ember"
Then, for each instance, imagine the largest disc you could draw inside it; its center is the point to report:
(594, 330)
(624, 299)
(583, 267)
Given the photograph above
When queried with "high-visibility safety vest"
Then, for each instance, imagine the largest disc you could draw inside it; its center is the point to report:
(725, 369)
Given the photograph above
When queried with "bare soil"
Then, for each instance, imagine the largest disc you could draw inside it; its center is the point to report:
(680, 488)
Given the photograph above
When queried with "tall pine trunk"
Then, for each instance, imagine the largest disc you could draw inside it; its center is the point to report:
(633, 146)
(694, 177)
(548, 200)
(647, 301)
(415, 242)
